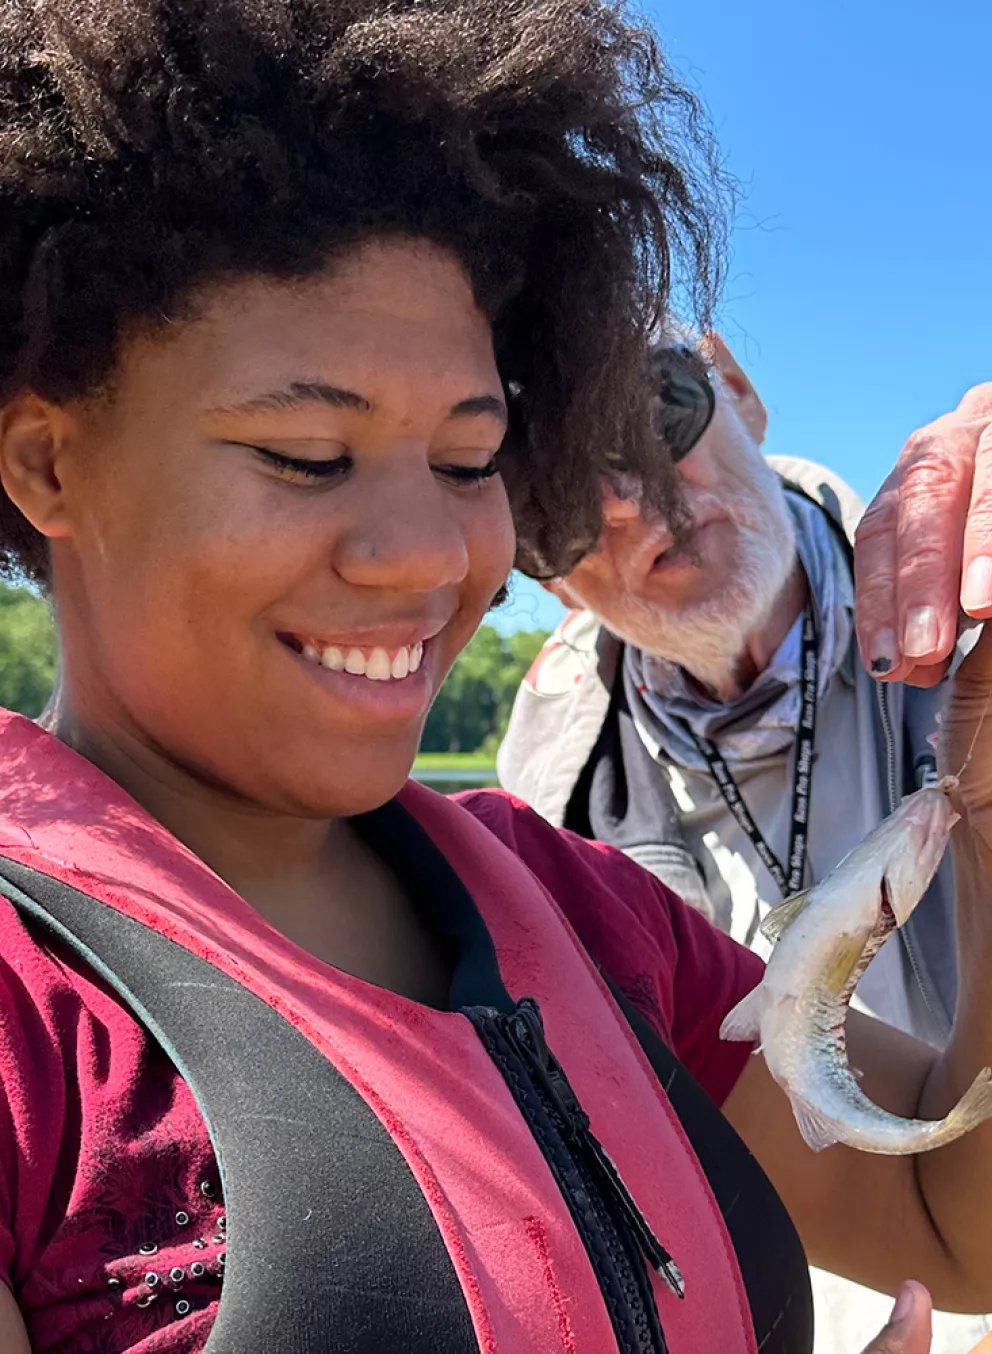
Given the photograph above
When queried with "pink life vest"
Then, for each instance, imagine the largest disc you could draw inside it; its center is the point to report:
(425, 1075)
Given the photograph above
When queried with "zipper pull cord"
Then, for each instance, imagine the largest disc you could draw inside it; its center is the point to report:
(654, 1252)
(527, 1030)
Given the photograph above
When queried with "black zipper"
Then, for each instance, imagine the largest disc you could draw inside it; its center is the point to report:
(617, 1237)
(885, 715)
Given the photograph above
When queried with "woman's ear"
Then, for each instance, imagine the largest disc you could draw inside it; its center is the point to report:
(33, 438)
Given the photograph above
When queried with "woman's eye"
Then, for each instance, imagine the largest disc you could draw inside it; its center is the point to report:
(470, 474)
(301, 468)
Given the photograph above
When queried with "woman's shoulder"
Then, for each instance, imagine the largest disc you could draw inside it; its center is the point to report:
(84, 1093)
(60, 1029)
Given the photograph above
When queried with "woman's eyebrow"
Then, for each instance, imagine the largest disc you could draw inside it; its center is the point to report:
(299, 394)
(480, 404)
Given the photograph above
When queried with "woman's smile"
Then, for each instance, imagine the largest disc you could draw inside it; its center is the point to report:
(382, 683)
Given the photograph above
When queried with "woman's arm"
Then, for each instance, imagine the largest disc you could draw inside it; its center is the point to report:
(878, 1219)
(13, 1335)
(867, 1217)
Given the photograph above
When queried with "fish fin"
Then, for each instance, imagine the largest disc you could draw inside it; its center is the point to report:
(817, 1130)
(781, 917)
(743, 1023)
(976, 1103)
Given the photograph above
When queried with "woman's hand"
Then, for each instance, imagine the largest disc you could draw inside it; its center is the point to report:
(964, 743)
(908, 1331)
(924, 548)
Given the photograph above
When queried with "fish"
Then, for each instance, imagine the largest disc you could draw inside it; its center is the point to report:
(825, 938)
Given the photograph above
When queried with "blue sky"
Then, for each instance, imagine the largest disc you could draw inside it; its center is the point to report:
(859, 294)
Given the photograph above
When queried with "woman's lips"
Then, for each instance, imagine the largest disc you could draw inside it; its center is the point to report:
(389, 654)
(372, 683)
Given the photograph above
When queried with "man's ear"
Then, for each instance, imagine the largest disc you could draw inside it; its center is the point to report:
(33, 438)
(738, 385)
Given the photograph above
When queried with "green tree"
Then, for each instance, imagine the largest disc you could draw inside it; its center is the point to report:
(28, 651)
(473, 707)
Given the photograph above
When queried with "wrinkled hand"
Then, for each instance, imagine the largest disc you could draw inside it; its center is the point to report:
(924, 547)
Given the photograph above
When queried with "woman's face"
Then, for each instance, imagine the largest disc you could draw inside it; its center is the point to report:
(281, 528)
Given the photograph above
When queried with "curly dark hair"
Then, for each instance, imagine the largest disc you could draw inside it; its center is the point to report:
(149, 147)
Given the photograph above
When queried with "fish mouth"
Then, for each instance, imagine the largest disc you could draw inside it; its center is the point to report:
(887, 916)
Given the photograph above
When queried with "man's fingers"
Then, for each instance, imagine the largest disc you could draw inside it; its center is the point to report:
(936, 472)
(910, 546)
(909, 1328)
(875, 584)
(976, 585)
(925, 675)
(977, 402)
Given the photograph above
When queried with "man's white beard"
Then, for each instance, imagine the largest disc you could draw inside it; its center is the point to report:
(707, 638)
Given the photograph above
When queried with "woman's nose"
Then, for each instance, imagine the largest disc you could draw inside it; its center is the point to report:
(409, 535)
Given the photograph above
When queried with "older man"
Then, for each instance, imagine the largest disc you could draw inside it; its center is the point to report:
(705, 709)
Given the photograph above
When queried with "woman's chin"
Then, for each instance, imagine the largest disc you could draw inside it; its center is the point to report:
(368, 782)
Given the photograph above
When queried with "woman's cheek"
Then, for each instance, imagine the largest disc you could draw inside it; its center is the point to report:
(497, 540)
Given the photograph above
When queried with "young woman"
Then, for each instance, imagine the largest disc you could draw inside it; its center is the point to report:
(295, 300)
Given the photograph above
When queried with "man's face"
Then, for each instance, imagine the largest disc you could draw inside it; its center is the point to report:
(704, 599)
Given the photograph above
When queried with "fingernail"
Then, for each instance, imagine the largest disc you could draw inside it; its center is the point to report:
(884, 652)
(976, 594)
(921, 632)
(905, 1302)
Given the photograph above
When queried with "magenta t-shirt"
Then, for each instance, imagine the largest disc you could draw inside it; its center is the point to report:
(106, 1170)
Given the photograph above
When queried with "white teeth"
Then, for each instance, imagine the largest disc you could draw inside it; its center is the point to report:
(378, 667)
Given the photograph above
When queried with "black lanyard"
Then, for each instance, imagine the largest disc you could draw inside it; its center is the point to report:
(790, 881)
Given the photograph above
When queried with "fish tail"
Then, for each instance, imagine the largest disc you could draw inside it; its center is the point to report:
(975, 1105)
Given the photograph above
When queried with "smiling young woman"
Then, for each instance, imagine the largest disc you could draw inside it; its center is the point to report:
(303, 306)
